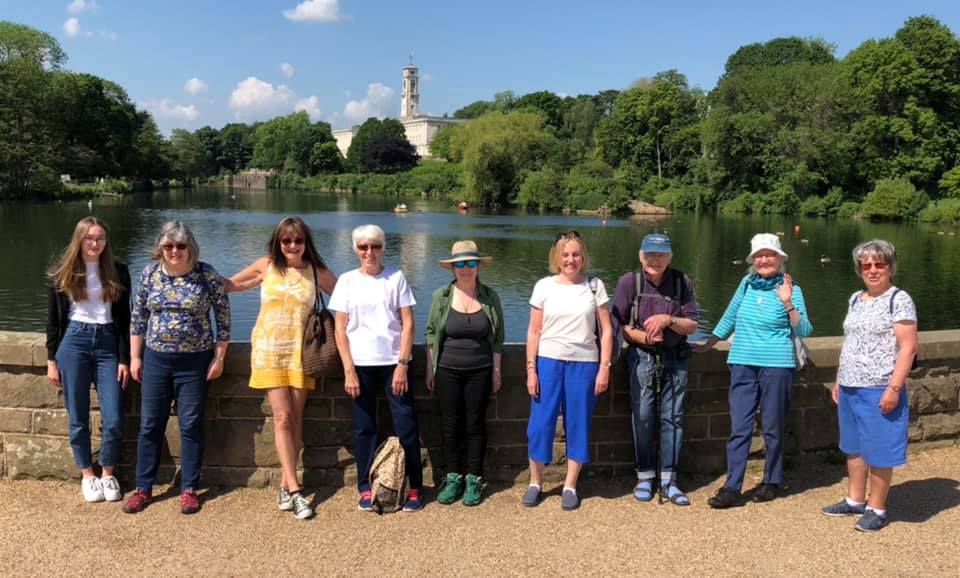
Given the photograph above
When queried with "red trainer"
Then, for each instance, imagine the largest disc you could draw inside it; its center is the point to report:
(138, 501)
(189, 502)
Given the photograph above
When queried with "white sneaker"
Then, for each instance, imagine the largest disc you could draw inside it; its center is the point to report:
(111, 489)
(92, 491)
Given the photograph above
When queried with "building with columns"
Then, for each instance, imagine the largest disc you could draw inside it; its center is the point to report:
(419, 128)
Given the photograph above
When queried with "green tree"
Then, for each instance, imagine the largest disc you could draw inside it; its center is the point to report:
(27, 149)
(326, 158)
(780, 52)
(647, 126)
(496, 150)
(546, 103)
(235, 146)
(474, 109)
(440, 145)
(388, 153)
(367, 133)
(189, 158)
(286, 142)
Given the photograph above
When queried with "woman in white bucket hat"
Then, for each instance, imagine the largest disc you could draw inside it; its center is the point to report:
(765, 311)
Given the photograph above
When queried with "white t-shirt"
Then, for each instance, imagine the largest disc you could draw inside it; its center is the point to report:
(569, 318)
(92, 309)
(372, 305)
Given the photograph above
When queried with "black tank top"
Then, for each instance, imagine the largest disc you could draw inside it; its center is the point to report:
(465, 343)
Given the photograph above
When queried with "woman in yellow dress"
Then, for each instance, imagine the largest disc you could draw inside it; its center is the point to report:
(287, 275)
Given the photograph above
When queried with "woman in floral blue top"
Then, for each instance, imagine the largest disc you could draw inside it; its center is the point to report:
(171, 313)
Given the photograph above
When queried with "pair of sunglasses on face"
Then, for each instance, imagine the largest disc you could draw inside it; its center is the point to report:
(472, 263)
(171, 246)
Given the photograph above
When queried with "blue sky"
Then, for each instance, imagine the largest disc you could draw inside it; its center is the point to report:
(199, 62)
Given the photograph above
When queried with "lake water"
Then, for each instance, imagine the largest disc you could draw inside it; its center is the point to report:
(233, 228)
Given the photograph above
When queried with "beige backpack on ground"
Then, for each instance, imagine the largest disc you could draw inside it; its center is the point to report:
(388, 477)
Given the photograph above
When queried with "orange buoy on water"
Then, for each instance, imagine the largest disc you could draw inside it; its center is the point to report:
(796, 228)
(463, 206)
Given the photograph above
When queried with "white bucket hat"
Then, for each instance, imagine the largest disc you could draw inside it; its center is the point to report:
(768, 241)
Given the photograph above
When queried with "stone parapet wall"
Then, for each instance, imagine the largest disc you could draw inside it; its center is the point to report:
(239, 428)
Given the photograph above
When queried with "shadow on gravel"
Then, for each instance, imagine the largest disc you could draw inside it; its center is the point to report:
(916, 501)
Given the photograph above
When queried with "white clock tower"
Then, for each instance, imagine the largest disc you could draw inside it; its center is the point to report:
(410, 99)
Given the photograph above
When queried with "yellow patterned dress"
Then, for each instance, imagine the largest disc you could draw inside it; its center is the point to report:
(277, 338)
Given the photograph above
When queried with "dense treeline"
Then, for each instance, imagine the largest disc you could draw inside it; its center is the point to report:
(789, 128)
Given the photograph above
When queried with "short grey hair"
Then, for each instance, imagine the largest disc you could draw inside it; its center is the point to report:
(368, 233)
(880, 250)
(176, 232)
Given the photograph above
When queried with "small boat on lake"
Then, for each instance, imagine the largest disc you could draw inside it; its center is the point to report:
(401, 208)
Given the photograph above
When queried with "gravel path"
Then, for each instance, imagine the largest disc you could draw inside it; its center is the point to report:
(46, 529)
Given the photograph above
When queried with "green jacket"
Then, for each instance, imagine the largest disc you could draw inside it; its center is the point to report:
(440, 309)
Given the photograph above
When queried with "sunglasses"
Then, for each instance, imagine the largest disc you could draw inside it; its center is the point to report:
(288, 241)
(461, 264)
(369, 247)
(171, 246)
(569, 234)
(878, 265)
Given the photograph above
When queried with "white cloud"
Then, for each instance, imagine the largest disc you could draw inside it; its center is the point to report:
(195, 86)
(288, 69)
(255, 99)
(311, 105)
(165, 109)
(78, 6)
(315, 11)
(72, 27)
(375, 103)
(108, 34)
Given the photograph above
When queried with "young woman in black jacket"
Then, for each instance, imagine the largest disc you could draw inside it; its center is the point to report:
(88, 341)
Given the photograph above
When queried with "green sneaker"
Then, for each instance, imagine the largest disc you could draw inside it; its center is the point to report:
(472, 497)
(452, 486)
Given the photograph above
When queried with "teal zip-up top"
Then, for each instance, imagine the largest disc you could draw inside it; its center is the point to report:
(440, 310)
(763, 334)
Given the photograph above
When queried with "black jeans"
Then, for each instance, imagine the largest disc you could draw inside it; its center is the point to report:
(463, 406)
(365, 424)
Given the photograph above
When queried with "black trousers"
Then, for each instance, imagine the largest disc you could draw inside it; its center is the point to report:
(464, 395)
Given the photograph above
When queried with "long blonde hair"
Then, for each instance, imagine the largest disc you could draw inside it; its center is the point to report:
(69, 274)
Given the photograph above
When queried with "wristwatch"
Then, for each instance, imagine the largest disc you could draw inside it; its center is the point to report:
(673, 321)
(405, 362)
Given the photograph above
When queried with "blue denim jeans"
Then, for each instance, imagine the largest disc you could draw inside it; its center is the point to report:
(88, 354)
(365, 424)
(673, 390)
(169, 376)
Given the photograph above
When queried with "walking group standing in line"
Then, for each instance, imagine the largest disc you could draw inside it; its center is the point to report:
(167, 342)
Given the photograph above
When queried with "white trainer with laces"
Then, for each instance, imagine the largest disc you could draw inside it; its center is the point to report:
(111, 489)
(92, 491)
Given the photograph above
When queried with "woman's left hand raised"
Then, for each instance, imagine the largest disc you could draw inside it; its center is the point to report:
(215, 370)
(785, 289)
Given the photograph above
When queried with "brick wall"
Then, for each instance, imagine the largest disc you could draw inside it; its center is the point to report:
(239, 434)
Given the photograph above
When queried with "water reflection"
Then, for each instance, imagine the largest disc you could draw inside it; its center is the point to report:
(232, 232)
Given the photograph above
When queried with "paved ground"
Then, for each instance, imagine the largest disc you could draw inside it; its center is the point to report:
(45, 529)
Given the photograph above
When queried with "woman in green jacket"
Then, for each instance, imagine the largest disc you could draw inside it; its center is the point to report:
(464, 343)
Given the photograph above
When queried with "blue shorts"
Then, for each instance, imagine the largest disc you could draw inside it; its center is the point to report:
(864, 430)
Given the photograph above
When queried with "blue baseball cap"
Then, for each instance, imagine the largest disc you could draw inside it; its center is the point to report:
(656, 243)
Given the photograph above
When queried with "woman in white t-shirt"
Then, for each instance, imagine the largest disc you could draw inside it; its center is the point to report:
(567, 366)
(879, 346)
(374, 324)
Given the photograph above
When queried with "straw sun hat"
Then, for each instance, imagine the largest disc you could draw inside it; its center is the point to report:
(464, 251)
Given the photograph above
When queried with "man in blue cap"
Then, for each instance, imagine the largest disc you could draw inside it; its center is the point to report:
(656, 309)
